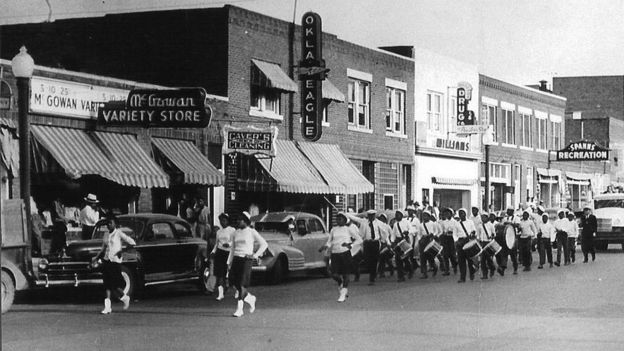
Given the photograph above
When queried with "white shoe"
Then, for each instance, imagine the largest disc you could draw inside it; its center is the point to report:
(126, 301)
(251, 300)
(107, 307)
(239, 309)
(220, 291)
(343, 295)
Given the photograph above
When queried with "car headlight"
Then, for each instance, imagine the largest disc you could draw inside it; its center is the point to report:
(43, 264)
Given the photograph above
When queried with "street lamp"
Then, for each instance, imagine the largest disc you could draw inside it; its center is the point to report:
(22, 67)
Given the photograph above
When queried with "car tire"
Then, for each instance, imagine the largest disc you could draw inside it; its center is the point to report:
(130, 280)
(8, 292)
(279, 271)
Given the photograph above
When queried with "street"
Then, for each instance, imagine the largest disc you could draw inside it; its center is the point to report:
(577, 307)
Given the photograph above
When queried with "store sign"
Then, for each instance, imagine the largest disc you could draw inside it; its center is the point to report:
(70, 99)
(452, 144)
(162, 108)
(312, 72)
(249, 140)
(583, 151)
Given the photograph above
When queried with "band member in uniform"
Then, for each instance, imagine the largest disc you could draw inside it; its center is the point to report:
(572, 229)
(546, 232)
(475, 217)
(429, 231)
(400, 231)
(385, 254)
(241, 259)
(340, 240)
(447, 226)
(527, 232)
(465, 230)
(221, 252)
(499, 236)
(512, 252)
(485, 233)
(561, 225)
(413, 218)
(590, 227)
(372, 235)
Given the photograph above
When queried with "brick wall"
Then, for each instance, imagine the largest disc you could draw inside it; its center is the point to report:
(605, 93)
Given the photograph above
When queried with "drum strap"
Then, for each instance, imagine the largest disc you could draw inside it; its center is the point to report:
(464, 228)
(486, 232)
(426, 230)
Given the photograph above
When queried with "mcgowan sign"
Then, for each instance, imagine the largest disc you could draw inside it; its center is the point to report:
(583, 151)
(171, 108)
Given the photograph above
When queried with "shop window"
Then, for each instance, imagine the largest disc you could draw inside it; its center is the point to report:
(434, 111)
(388, 202)
(359, 103)
(526, 129)
(395, 110)
(352, 202)
(510, 130)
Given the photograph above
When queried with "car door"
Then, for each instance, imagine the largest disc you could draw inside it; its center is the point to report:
(186, 250)
(317, 236)
(157, 248)
(305, 242)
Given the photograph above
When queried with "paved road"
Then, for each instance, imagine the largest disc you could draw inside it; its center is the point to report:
(579, 307)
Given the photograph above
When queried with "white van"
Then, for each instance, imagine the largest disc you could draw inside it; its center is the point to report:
(609, 211)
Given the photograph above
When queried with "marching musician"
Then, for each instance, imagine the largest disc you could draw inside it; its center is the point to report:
(429, 231)
(499, 236)
(372, 235)
(513, 221)
(527, 232)
(400, 231)
(414, 231)
(447, 226)
(465, 230)
(561, 225)
(572, 229)
(475, 217)
(385, 254)
(546, 232)
(485, 233)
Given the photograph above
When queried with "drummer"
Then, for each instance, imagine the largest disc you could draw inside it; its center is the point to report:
(414, 230)
(447, 226)
(485, 233)
(430, 231)
(499, 236)
(527, 232)
(511, 220)
(561, 225)
(385, 254)
(465, 231)
(475, 217)
(371, 233)
(400, 231)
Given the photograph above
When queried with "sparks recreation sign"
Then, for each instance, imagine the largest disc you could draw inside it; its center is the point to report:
(164, 108)
(583, 151)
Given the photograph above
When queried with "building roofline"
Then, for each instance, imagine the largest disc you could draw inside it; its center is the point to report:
(605, 76)
(524, 87)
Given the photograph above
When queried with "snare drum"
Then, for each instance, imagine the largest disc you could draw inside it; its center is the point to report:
(404, 248)
(492, 248)
(433, 249)
(510, 237)
(472, 249)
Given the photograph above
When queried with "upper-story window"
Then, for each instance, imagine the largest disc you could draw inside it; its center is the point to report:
(490, 112)
(555, 127)
(359, 103)
(509, 126)
(541, 119)
(525, 118)
(395, 110)
(266, 100)
(434, 111)
(268, 82)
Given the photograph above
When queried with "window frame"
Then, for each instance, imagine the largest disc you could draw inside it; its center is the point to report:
(433, 115)
(509, 116)
(395, 109)
(526, 130)
(264, 101)
(353, 106)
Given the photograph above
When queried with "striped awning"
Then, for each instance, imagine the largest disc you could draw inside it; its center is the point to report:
(134, 166)
(292, 172)
(578, 176)
(547, 172)
(189, 160)
(331, 92)
(275, 75)
(336, 169)
(454, 181)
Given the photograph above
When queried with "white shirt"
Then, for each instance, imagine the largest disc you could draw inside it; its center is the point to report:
(399, 228)
(487, 233)
(572, 229)
(527, 228)
(224, 239)
(560, 224)
(364, 228)
(547, 230)
(340, 235)
(112, 244)
(89, 216)
(431, 228)
(470, 228)
(447, 226)
(414, 226)
(243, 243)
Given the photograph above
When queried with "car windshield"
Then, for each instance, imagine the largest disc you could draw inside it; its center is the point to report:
(275, 227)
(128, 226)
(619, 203)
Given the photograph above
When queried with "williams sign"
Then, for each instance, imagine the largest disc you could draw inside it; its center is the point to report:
(171, 108)
(583, 151)
(312, 72)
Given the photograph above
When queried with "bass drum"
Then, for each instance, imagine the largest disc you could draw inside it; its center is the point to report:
(510, 237)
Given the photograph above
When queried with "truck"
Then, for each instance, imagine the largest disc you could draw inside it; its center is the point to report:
(609, 212)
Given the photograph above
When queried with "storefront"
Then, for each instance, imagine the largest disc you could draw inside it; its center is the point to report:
(578, 192)
(550, 186)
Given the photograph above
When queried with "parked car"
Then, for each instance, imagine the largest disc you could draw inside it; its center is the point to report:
(609, 212)
(165, 252)
(289, 250)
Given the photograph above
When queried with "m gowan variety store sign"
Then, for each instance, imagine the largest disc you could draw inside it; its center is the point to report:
(583, 151)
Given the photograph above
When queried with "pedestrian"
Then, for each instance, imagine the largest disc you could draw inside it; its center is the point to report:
(371, 233)
(89, 216)
(447, 226)
(341, 238)
(590, 227)
(486, 233)
(572, 229)
(357, 254)
(561, 230)
(546, 231)
(400, 233)
(428, 232)
(512, 220)
(204, 230)
(241, 258)
(465, 231)
(221, 252)
(111, 258)
(527, 232)
(385, 253)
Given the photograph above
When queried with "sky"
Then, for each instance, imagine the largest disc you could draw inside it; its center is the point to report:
(520, 42)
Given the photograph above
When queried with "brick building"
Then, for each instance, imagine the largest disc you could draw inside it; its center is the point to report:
(250, 58)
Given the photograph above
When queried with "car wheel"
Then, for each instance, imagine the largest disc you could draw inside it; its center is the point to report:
(207, 280)
(8, 291)
(279, 271)
(129, 280)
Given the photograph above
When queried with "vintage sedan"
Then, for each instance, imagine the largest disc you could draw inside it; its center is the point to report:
(165, 252)
(291, 251)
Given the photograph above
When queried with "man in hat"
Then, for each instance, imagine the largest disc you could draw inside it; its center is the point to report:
(448, 227)
(527, 231)
(572, 230)
(428, 232)
(510, 219)
(372, 234)
(561, 232)
(465, 232)
(475, 217)
(546, 232)
(485, 233)
(590, 227)
(89, 216)
(385, 253)
(400, 232)
(414, 231)
(499, 236)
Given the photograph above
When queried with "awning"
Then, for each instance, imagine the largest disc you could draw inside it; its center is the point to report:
(9, 151)
(7, 123)
(453, 181)
(136, 167)
(275, 75)
(578, 176)
(189, 160)
(547, 172)
(292, 172)
(336, 169)
(330, 92)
